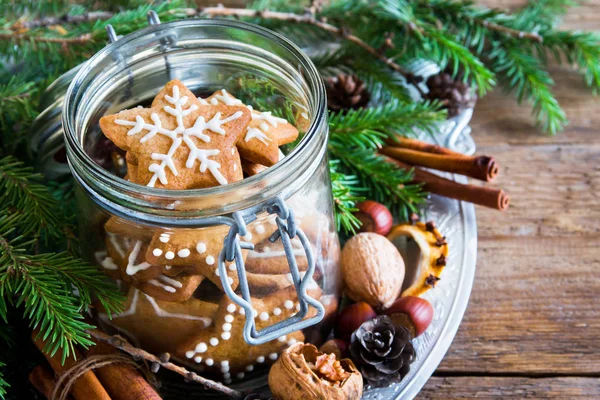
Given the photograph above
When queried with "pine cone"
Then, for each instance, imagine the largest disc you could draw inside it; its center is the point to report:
(346, 92)
(455, 94)
(383, 352)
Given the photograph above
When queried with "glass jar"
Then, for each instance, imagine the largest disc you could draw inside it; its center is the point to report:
(222, 278)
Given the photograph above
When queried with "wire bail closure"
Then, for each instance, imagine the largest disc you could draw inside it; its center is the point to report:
(232, 251)
(232, 246)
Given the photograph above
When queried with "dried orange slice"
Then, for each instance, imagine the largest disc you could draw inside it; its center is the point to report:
(434, 252)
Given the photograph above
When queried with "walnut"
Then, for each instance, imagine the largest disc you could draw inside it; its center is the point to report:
(303, 372)
(372, 269)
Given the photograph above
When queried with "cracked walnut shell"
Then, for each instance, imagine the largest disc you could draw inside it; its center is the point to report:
(303, 372)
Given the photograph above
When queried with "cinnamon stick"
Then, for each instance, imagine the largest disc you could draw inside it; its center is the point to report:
(481, 167)
(43, 379)
(122, 381)
(483, 196)
(86, 387)
(419, 145)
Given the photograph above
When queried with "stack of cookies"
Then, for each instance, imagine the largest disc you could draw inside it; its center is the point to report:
(175, 301)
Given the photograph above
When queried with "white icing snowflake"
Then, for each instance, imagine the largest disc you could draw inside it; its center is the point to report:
(180, 135)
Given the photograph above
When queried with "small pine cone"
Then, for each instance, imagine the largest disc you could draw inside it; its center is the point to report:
(346, 92)
(454, 94)
(383, 352)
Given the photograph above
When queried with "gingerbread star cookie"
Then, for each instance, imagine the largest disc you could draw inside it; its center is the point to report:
(222, 346)
(179, 142)
(263, 136)
(147, 321)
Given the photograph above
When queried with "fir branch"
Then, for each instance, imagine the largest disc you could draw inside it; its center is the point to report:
(579, 48)
(445, 51)
(43, 285)
(32, 7)
(542, 14)
(344, 189)
(17, 105)
(467, 13)
(68, 44)
(383, 181)
(368, 127)
(524, 74)
(421, 39)
(521, 64)
(3, 384)
(509, 31)
(23, 195)
(45, 298)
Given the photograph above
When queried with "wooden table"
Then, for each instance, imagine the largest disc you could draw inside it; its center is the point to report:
(532, 328)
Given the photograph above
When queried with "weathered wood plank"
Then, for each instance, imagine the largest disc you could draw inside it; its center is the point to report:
(510, 388)
(534, 308)
(554, 189)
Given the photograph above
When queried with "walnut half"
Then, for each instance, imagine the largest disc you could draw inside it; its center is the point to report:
(303, 372)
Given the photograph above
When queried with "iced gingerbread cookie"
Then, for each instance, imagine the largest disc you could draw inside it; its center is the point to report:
(222, 346)
(250, 168)
(132, 167)
(196, 251)
(177, 288)
(270, 258)
(267, 283)
(180, 143)
(147, 321)
(126, 260)
(263, 136)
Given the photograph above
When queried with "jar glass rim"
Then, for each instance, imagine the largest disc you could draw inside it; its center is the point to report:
(316, 127)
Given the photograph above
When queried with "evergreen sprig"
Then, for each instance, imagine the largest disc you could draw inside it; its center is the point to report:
(578, 48)
(64, 46)
(24, 196)
(516, 47)
(383, 181)
(15, 101)
(344, 189)
(525, 74)
(44, 286)
(368, 127)
(3, 384)
(356, 135)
